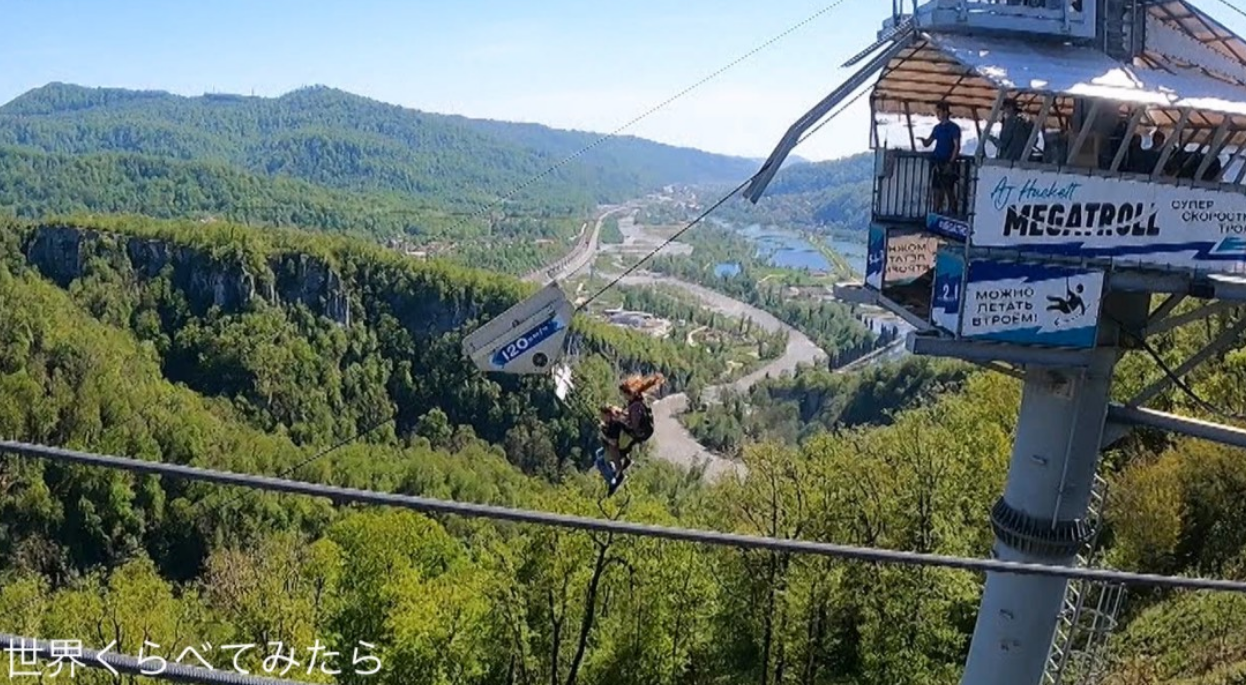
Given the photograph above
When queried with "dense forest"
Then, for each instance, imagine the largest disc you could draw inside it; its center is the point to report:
(491, 194)
(255, 351)
(341, 141)
(318, 338)
(34, 184)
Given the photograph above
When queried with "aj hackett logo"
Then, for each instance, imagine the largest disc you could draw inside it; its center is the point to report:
(1054, 210)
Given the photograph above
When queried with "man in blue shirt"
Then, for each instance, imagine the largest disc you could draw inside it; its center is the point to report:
(946, 139)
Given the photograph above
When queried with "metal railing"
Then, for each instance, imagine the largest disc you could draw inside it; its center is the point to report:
(903, 190)
(1089, 614)
(1044, 10)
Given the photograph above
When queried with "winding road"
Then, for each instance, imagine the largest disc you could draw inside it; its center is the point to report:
(584, 252)
(672, 441)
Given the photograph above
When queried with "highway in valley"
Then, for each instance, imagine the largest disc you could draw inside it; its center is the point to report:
(672, 442)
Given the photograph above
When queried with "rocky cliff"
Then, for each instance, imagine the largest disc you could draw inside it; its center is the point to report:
(61, 253)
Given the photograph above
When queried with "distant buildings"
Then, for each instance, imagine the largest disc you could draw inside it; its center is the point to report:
(812, 292)
(412, 250)
(640, 321)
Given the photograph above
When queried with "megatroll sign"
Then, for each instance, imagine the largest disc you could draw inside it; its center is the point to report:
(1110, 218)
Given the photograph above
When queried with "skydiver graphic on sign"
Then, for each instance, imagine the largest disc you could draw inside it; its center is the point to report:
(1066, 305)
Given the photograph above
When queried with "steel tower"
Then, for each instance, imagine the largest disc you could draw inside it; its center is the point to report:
(1102, 165)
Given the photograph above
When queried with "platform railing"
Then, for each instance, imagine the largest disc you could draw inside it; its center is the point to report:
(1066, 17)
(903, 190)
(1024, 8)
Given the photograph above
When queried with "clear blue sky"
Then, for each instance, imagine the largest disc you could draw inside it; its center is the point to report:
(567, 63)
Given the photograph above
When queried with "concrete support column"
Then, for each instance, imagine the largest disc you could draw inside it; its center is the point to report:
(1040, 518)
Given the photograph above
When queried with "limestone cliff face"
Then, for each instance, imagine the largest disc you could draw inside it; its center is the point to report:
(61, 253)
(301, 278)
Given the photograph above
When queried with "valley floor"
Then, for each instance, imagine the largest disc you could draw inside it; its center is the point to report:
(672, 440)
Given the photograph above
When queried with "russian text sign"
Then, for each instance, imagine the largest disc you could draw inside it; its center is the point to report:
(1110, 218)
(1031, 304)
(909, 257)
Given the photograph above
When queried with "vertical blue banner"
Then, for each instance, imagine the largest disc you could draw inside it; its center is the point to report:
(945, 300)
(876, 257)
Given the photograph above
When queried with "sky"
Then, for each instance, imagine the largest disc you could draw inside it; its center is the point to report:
(565, 63)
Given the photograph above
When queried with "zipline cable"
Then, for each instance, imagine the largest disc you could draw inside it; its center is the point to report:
(1233, 7)
(615, 281)
(663, 104)
(340, 494)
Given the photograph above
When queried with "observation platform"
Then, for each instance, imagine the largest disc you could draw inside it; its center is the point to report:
(1113, 175)
(1102, 158)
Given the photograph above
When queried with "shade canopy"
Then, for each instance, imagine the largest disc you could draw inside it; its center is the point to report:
(1194, 63)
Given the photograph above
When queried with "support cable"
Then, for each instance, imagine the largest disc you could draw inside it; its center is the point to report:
(1172, 375)
(615, 281)
(340, 494)
(1233, 7)
(332, 448)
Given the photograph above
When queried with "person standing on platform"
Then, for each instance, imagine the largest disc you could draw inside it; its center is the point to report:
(946, 139)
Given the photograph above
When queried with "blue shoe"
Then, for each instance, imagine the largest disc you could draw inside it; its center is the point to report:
(604, 467)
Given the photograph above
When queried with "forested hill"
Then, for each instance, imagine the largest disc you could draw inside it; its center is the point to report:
(317, 339)
(831, 195)
(342, 141)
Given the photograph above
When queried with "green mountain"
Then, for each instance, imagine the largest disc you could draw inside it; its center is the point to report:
(829, 196)
(340, 141)
(254, 351)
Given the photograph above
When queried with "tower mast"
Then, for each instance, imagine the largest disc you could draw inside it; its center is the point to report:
(1043, 257)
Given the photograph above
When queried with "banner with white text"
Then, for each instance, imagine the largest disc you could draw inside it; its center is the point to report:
(948, 284)
(1123, 220)
(1031, 304)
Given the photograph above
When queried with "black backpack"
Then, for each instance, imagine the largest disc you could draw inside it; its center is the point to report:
(645, 430)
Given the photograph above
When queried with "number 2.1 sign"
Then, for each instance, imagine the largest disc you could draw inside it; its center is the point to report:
(948, 287)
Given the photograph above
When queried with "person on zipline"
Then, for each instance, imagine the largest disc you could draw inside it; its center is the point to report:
(623, 429)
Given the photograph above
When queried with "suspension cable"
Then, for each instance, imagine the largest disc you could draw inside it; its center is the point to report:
(1233, 7)
(1172, 376)
(615, 281)
(663, 104)
(340, 494)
